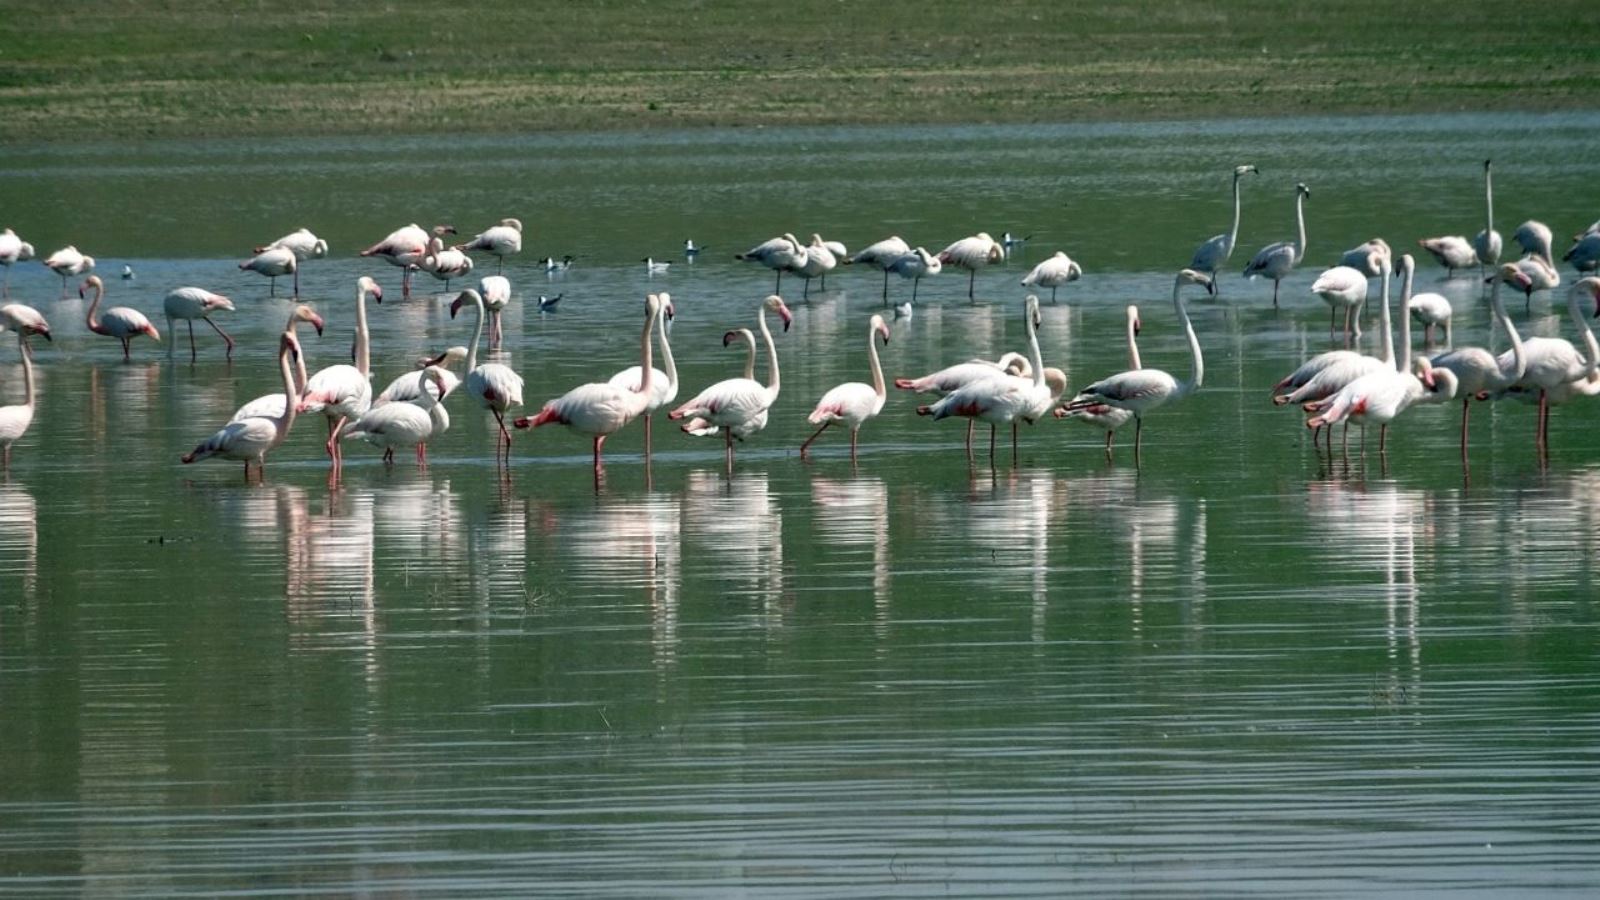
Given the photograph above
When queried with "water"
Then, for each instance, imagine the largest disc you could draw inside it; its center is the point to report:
(1245, 668)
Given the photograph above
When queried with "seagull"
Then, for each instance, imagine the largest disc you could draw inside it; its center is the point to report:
(548, 304)
(690, 251)
(127, 273)
(651, 267)
(557, 265)
(1012, 242)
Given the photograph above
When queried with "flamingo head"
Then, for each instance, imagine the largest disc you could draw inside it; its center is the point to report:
(26, 252)
(1301, 190)
(1133, 319)
(512, 223)
(304, 313)
(93, 282)
(217, 301)
(468, 295)
(1422, 367)
(439, 230)
(1514, 276)
(450, 356)
(667, 308)
(1241, 171)
(1408, 264)
(729, 337)
(774, 303)
(150, 330)
(880, 328)
(1200, 278)
(436, 374)
(319, 249)
(1056, 381)
(1030, 307)
(370, 288)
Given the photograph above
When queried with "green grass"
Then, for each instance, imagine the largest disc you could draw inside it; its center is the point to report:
(117, 68)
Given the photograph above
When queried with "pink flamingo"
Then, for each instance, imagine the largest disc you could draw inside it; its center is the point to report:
(1277, 260)
(495, 385)
(972, 254)
(496, 291)
(784, 252)
(405, 424)
(68, 262)
(700, 427)
(881, 256)
(499, 241)
(21, 318)
(190, 303)
(12, 251)
(1053, 273)
(119, 322)
(343, 392)
(1554, 362)
(273, 262)
(445, 263)
(405, 247)
(1479, 372)
(270, 406)
(734, 403)
(1005, 399)
(853, 402)
(1100, 415)
(251, 439)
(15, 419)
(952, 378)
(664, 384)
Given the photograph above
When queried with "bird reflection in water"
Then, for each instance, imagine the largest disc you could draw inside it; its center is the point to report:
(19, 544)
(854, 514)
(632, 544)
(736, 528)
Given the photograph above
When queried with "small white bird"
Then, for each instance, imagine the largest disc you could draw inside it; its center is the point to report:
(553, 266)
(903, 310)
(1053, 273)
(68, 262)
(548, 304)
(127, 272)
(653, 267)
(690, 251)
(1012, 242)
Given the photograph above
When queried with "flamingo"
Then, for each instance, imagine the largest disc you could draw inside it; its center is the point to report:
(663, 385)
(405, 247)
(819, 261)
(445, 263)
(190, 303)
(1539, 276)
(496, 387)
(1554, 362)
(68, 263)
(24, 319)
(1215, 251)
(916, 265)
(304, 245)
(952, 378)
(1535, 237)
(1343, 287)
(15, 419)
(271, 405)
(251, 439)
(1109, 418)
(736, 402)
(1452, 251)
(409, 388)
(1004, 399)
(1478, 372)
(499, 241)
(120, 322)
(1486, 243)
(602, 408)
(1367, 257)
(881, 256)
(700, 427)
(406, 424)
(273, 262)
(781, 253)
(12, 251)
(496, 291)
(972, 254)
(1143, 390)
(1275, 261)
(840, 254)
(853, 402)
(1429, 310)
(1053, 273)
(1584, 254)
(344, 392)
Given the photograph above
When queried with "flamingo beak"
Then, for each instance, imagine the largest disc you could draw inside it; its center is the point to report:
(44, 333)
(454, 307)
(316, 322)
(788, 317)
(672, 312)
(728, 338)
(377, 293)
(1137, 327)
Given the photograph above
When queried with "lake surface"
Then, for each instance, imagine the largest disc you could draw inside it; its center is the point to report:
(1245, 668)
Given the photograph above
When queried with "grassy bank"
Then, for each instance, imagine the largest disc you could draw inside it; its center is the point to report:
(117, 68)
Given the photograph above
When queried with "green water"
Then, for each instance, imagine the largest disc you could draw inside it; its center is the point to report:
(1245, 668)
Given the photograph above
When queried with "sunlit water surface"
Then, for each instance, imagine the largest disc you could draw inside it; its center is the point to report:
(1245, 668)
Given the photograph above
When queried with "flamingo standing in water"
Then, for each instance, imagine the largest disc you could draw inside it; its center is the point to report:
(190, 303)
(1343, 287)
(1553, 363)
(736, 402)
(782, 253)
(499, 241)
(1276, 261)
(304, 245)
(1478, 372)
(972, 254)
(1006, 398)
(12, 251)
(953, 378)
(881, 256)
(700, 427)
(818, 262)
(496, 291)
(410, 387)
(602, 408)
(1215, 252)
(344, 392)
(916, 265)
(251, 439)
(15, 419)
(271, 405)
(663, 384)
(853, 402)
(1142, 390)
(120, 322)
(445, 263)
(68, 263)
(1101, 416)
(406, 247)
(406, 424)
(1452, 251)
(1053, 273)
(496, 387)
(273, 262)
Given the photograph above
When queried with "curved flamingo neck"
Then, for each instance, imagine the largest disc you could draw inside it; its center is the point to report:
(1519, 361)
(1233, 235)
(1383, 311)
(1035, 358)
(1488, 203)
(428, 401)
(1133, 340)
(878, 387)
(1405, 322)
(1198, 370)
(1592, 364)
(646, 364)
(772, 352)
(91, 318)
(477, 332)
(667, 363)
(286, 418)
(1300, 220)
(363, 341)
(750, 354)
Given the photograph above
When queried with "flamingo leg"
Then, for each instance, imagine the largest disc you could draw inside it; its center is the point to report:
(971, 427)
(422, 456)
(5, 291)
(1383, 439)
(1110, 435)
(296, 283)
(914, 283)
(991, 443)
(63, 287)
(885, 284)
(124, 349)
(853, 435)
(191, 341)
(1138, 437)
(1466, 412)
(1275, 293)
(500, 265)
(818, 433)
(224, 335)
(727, 449)
(1013, 442)
(647, 418)
(388, 456)
(599, 460)
(972, 280)
(775, 286)
(505, 436)
(1541, 437)
(272, 285)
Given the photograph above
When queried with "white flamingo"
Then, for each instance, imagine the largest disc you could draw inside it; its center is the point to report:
(1478, 372)
(736, 402)
(602, 408)
(780, 254)
(972, 254)
(342, 392)
(1004, 399)
(1343, 288)
(1486, 243)
(1109, 418)
(274, 262)
(1452, 251)
(1367, 257)
(190, 303)
(15, 419)
(663, 384)
(304, 245)
(405, 247)
(495, 386)
(1215, 251)
(1539, 275)
(818, 262)
(409, 388)
(68, 263)
(1276, 261)
(699, 427)
(1535, 237)
(120, 322)
(1140, 391)
(853, 402)
(499, 241)
(1584, 254)
(916, 265)
(395, 425)
(21, 318)
(496, 291)
(1554, 362)
(251, 439)
(271, 405)
(445, 263)
(881, 256)
(13, 250)
(1431, 310)
(1053, 273)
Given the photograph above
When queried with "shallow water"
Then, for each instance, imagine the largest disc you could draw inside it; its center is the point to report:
(1244, 668)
